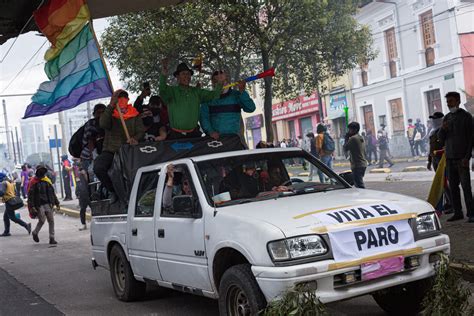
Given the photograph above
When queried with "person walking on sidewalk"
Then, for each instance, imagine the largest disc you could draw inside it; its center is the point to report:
(371, 147)
(66, 173)
(325, 147)
(457, 136)
(383, 148)
(7, 192)
(41, 200)
(355, 146)
(313, 150)
(411, 136)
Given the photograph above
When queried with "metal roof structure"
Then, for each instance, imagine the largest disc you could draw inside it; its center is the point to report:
(15, 15)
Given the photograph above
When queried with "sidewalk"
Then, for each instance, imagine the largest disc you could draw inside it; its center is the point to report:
(341, 162)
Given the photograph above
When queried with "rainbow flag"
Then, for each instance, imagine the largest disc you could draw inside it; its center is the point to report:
(74, 65)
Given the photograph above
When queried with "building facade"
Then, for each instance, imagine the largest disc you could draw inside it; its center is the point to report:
(420, 58)
(32, 135)
(254, 123)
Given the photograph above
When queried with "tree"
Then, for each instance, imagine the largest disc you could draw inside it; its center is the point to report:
(307, 41)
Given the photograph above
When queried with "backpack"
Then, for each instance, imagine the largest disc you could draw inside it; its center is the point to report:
(329, 145)
(75, 143)
(383, 143)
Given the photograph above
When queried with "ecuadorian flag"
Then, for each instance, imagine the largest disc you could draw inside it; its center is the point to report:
(74, 65)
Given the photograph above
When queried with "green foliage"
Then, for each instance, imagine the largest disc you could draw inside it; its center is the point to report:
(449, 295)
(297, 301)
(307, 41)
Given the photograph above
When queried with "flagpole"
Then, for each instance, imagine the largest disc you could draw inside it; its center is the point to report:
(91, 25)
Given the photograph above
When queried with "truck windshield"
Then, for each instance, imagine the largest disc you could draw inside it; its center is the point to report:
(250, 178)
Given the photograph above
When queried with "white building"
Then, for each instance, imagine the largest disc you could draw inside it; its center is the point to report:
(32, 135)
(419, 60)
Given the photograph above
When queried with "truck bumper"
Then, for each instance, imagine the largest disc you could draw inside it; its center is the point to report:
(274, 281)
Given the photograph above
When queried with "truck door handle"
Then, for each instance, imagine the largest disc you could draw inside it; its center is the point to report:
(161, 233)
(134, 231)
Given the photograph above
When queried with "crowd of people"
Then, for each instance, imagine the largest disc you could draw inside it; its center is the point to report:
(183, 111)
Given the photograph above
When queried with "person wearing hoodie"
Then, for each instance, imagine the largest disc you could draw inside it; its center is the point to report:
(222, 116)
(456, 134)
(355, 146)
(7, 192)
(41, 200)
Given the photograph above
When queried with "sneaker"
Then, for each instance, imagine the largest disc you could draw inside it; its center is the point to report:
(67, 199)
(455, 217)
(390, 165)
(5, 235)
(84, 227)
(28, 228)
(52, 241)
(470, 220)
(35, 237)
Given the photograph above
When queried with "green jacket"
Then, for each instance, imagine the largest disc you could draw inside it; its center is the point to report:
(114, 133)
(184, 103)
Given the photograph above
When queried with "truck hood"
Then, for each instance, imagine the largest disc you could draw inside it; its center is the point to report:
(305, 214)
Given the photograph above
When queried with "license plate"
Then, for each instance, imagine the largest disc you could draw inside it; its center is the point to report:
(379, 268)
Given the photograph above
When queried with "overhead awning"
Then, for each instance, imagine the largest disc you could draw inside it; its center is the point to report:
(14, 14)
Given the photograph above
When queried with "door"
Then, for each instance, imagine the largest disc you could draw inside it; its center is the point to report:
(306, 125)
(369, 118)
(182, 256)
(396, 111)
(141, 227)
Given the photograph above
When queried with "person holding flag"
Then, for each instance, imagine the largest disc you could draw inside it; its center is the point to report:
(184, 101)
(222, 116)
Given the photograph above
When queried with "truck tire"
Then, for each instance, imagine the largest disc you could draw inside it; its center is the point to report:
(405, 299)
(126, 287)
(239, 293)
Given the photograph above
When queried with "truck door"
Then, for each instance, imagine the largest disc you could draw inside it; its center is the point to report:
(182, 256)
(142, 251)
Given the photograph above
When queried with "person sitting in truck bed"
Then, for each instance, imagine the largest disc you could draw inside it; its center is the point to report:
(177, 183)
(155, 131)
(115, 136)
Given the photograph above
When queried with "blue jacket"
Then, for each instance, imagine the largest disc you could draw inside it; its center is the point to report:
(223, 115)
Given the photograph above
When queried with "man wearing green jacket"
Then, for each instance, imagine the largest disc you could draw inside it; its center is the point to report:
(184, 101)
(115, 136)
(222, 116)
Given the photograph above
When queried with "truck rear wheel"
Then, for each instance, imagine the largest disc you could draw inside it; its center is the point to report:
(239, 293)
(126, 287)
(404, 299)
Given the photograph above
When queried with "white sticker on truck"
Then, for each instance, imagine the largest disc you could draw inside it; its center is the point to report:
(365, 241)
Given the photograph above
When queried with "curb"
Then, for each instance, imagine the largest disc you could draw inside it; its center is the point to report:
(380, 170)
(72, 213)
(414, 169)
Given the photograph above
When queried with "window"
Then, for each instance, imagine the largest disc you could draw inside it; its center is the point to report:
(433, 99)
(179, 200)
(392, 54)
(396, 110)
(364, 75)
(427, 27)
(383, 120)
(146, 194)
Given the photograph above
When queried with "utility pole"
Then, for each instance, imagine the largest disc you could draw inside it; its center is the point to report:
(59, 159)
(63, 133)
(9, 145)
(20, 156)
(13, 145)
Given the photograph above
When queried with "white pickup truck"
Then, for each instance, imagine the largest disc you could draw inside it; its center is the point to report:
(244, 226)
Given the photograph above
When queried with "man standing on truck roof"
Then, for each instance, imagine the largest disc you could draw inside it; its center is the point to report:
(355, 145)
(115, 136)
(184, 101)
(222, 116)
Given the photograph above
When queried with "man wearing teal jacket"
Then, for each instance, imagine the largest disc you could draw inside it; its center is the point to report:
(222, 116)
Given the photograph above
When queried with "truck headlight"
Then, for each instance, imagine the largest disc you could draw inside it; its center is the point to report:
(297, 248)
(426, 223)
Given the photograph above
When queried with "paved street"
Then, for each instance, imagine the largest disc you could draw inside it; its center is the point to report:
(42, 280)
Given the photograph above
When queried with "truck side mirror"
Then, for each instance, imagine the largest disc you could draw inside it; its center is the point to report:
(348, 177)
(185, 205)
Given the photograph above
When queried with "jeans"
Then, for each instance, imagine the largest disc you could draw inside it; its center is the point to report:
(359, 173)
(370, 151)
(18, 188)
(67, 186)
(412, 147)
(420, 147)
(457, 174)
(45, 212)
(9, 215)
(384, 156)
(102, 165)
(327, 160)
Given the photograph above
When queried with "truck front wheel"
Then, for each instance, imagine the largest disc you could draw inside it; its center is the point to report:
(239, 293)
(404, 299)
(126, 287)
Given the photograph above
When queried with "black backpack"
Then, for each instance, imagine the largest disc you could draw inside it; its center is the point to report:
(75, 143)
